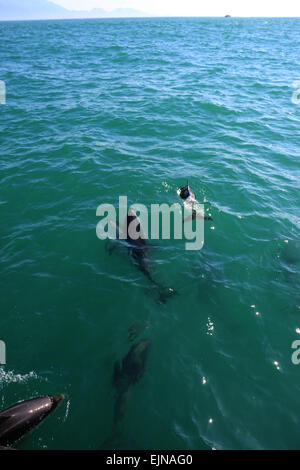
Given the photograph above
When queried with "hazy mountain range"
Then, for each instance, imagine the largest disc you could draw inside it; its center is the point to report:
(45, 9)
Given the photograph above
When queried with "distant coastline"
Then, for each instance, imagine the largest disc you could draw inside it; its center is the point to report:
(147, 17)
(18, 10)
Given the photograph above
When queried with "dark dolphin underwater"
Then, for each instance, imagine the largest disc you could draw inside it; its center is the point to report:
(96, 109)
(129, 371)
(139, 250)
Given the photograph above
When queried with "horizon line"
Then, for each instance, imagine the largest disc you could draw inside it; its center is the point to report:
(148, 17)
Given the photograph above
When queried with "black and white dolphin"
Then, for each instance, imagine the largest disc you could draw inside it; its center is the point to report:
(190, 202)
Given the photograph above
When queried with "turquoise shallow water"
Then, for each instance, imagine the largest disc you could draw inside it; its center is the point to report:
(101, 108)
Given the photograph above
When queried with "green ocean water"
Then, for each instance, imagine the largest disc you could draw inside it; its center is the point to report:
(101, 108)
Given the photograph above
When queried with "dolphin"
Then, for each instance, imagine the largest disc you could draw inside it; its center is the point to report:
(127, 372)
(138, 249)
(190, 202)
(186, 193)
(17, 420)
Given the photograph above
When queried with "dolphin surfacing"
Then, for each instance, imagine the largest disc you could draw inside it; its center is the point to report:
(17, 420)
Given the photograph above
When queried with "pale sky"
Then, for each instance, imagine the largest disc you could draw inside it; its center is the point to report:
(193, 7)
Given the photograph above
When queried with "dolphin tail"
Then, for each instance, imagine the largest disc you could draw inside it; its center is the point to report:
(112, 441)
(119, 406)
(119, 409)
(166, 293)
